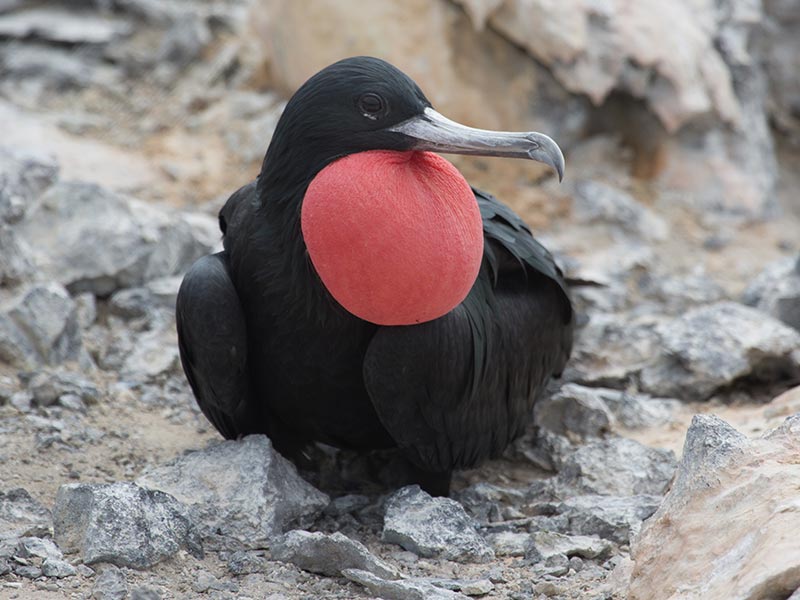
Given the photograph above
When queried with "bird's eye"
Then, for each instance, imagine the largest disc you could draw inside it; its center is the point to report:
(371, 105)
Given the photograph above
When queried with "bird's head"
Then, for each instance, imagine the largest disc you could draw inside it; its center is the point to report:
(392, 229)
(364, 103)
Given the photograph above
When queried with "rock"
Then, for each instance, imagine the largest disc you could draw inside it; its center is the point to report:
(485, 501)
(480, 587)
(122, 524)
(776, 291)
(347, 504)
(404, 589)
(21, 515)
(432, 527)
(155, 353)
(110, 584)
(24, 176)
(615, 518)
(782, 62)
(711, 347)
(544, 544)
(509, 543)
(243, 490)
(131, 303)
(140, 241)
(39, 326)
(145, 593)
(58, 568)
(184, 41)
(555, 565)
(419, 37)
(677, 293)
(28, 547)
(62, 26)
(574, 411)
(616, 466)
(329, 554)
(48, 387)
(612, 349)
(87, 309)
(28, 571)
(597, 202)
(722, 474)
(15, 264)
(637, 411)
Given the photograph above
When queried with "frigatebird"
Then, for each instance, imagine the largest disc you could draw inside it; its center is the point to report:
(367, 297)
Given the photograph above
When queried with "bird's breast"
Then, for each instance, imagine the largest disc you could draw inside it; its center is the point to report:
(395, 237)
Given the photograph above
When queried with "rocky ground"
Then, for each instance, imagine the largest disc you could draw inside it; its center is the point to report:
(663, 465)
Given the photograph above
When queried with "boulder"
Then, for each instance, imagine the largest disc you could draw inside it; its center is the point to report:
(727, 528)
(242, 490)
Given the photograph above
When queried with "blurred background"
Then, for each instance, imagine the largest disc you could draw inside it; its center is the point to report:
(125, 124)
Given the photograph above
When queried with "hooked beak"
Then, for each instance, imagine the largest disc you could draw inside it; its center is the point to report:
(435, 132)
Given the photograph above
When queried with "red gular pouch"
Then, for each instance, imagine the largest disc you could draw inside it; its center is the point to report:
(396, 237)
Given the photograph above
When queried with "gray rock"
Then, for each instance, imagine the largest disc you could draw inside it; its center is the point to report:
(86, 305)
(574, 411)
(48, 387)
(131, 303)
(432, 527)
(110, 584)
(15, 263)
(58, 568)
(485, 502)
(597, 202)
(21, 515)
(776, 291)
(676, 294)
(140, 241)
(509, 543)
(347, 504)
(329, 554)
(404, 589)
(184, 40)
(145, 593)
(62, 26)
(39, 326)
(638, 411)
(28, 571)
(28, 547)
(555, 565)
(544, 544)
(122, 524)
(155, 354)
(24, 176)
(713, 346)
(243, 490)
(617, 466)
(615, 518)
(612, 349)
(479, 587)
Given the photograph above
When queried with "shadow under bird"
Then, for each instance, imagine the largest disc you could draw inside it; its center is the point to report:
(367, 297)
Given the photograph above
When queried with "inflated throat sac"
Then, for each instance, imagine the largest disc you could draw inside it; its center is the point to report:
(396, 237)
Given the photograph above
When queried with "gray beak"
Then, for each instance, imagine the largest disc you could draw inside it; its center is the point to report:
(436, 133)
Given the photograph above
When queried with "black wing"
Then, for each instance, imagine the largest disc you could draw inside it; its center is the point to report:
(212, 338)
(457, 390)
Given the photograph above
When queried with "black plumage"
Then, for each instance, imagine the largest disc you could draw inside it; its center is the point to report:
(267, 349)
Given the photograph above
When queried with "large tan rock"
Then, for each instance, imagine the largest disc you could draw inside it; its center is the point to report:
(594, 48)
(479, 79)
(728, 529)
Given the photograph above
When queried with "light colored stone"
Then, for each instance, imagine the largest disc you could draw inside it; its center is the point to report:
(329, 554)
(404, 589)
(713, 346)
(432, 527)
(740, 493)
(242, 489)
(121, 524)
